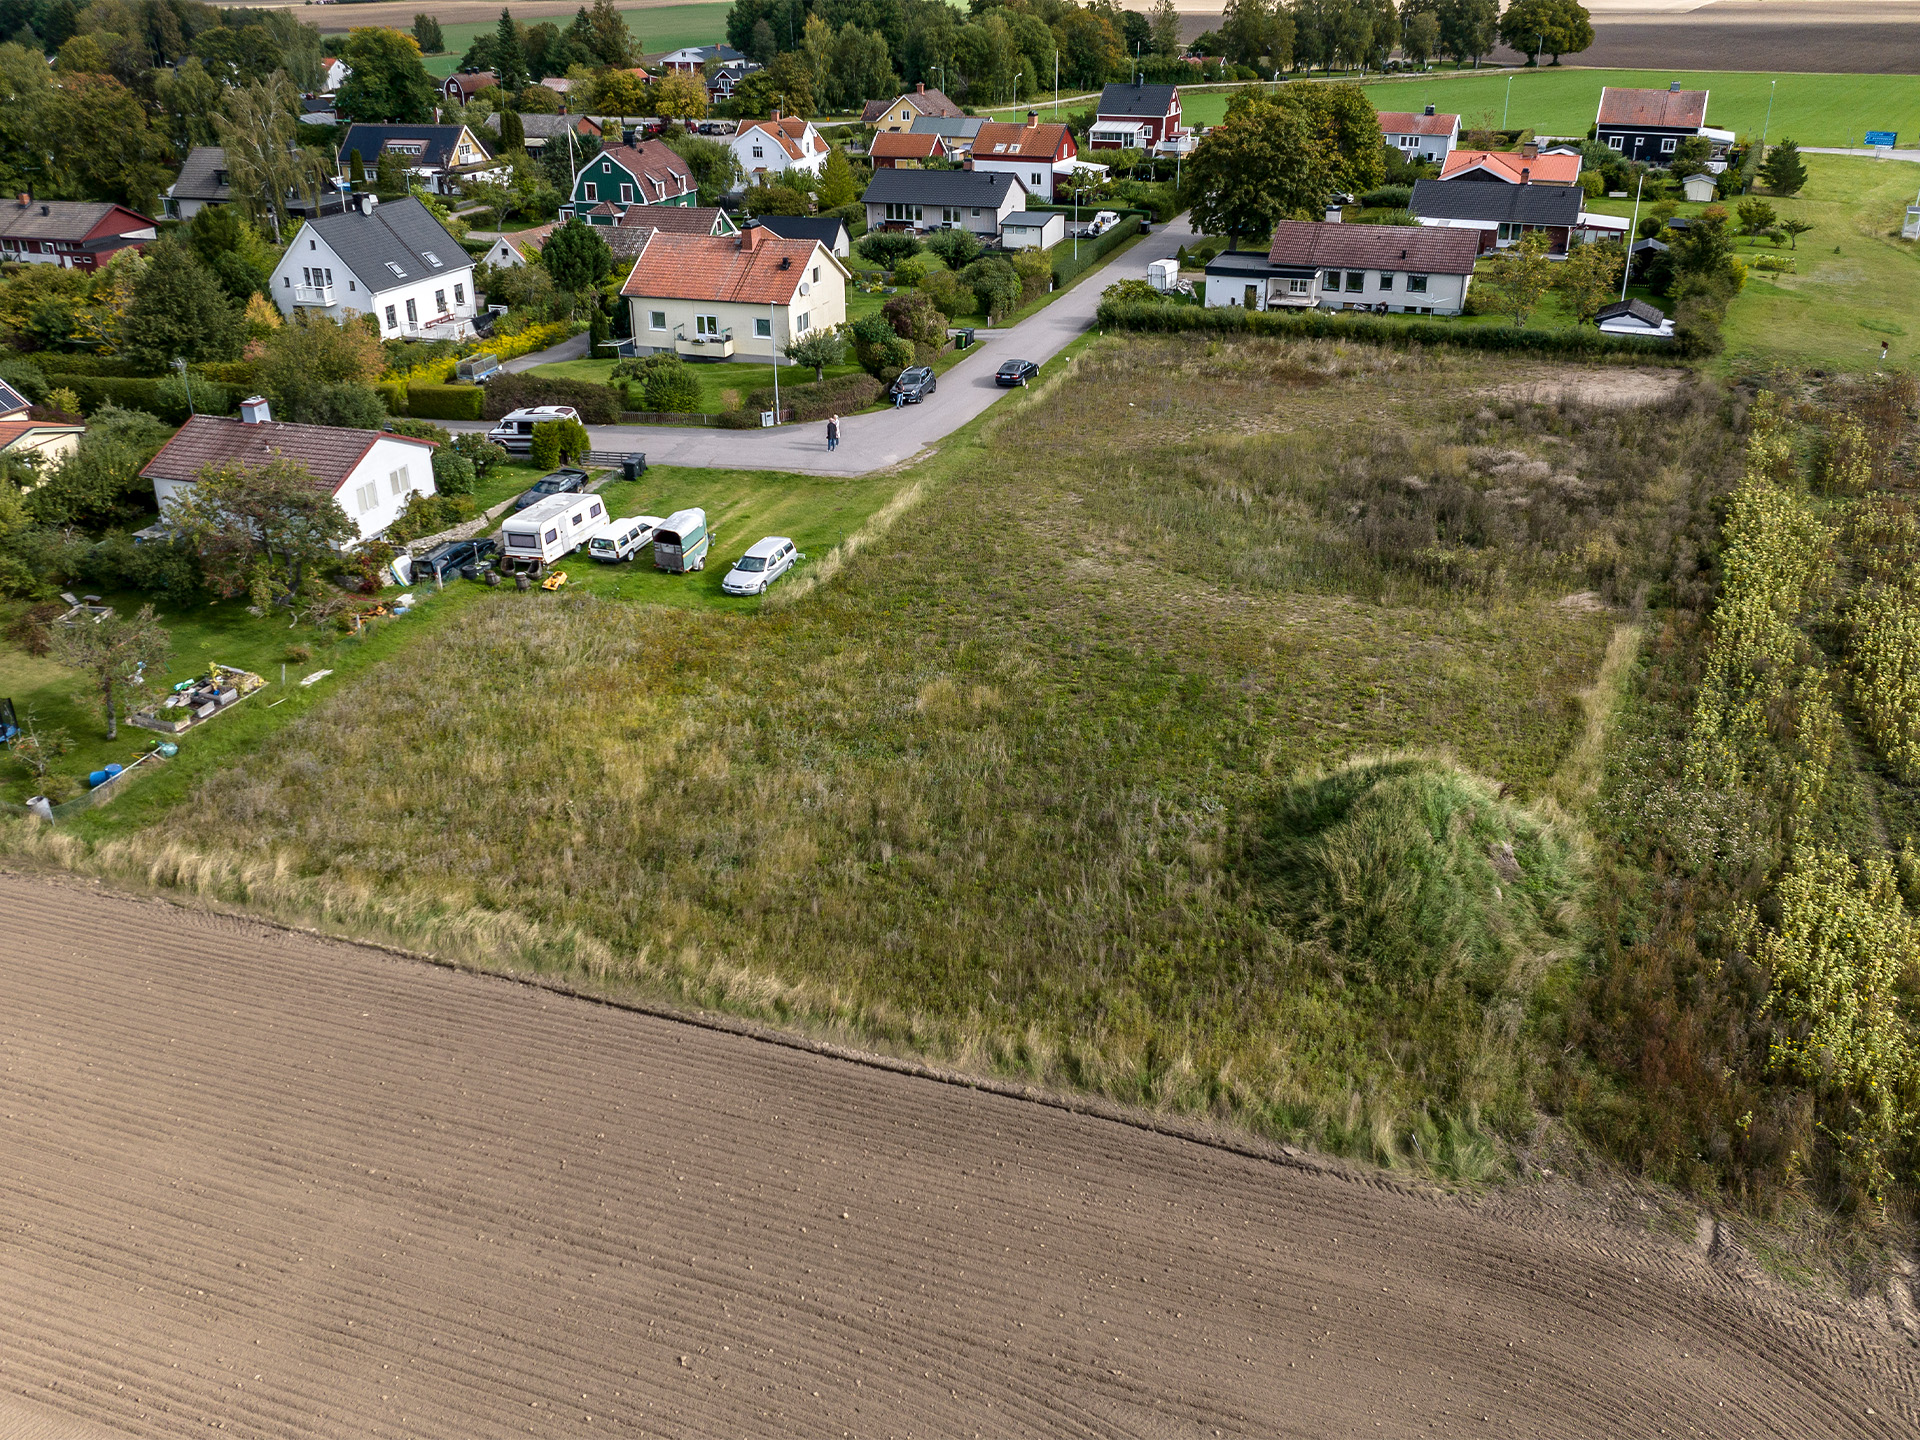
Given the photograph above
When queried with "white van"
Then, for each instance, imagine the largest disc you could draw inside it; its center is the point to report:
(515, 432)
(623, 539)
(765, 562)
(556, 526)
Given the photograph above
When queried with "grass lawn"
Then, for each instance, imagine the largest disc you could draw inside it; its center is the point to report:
(742, 506)
(993, 783)
(1810, 109)
(655, 31)
(501, 481)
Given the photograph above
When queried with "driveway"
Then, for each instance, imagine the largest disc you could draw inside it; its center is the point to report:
(873, 442)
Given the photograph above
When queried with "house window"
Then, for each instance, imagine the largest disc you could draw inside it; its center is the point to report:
(626, 194)
(593, 190)
(706, 324)
(313, 245)
(803, 324)
(656, 319)
(1416, 284)
(1669, 145)
(391, 322)
(284, 279)
(1510, 231)
(949, 216)
(440, 301)
(1386, 280)
(368, 496)
(1616, 142)
(459, 293)
(351, 287)
(413, 316)
(1356, 280)
(758, 153)
(1299, 286)
(400, 481)
(1036, 179)
(816, 274)
(904, 212)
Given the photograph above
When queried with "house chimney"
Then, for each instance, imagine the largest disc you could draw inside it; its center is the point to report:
(1530, 150)
(255, 411)
(776, 114)
(1526, 176)
(1033, 117)
(1429, 110)
(921, 88)
(1333, 214)
(749, 236)
(1674, 88)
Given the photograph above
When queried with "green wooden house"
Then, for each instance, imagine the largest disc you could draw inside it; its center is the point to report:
(623, 176)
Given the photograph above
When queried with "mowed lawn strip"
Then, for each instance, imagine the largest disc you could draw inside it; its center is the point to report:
(992, 790)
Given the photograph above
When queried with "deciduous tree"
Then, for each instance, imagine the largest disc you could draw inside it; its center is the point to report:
(1522, 277)
(1589, 278)
(261, 531)
(179, 311)
(818, 348)
(114, 653)
(1258, 166)
(260, 130)
(388, 82)
(1163, 26)
(1555, 27)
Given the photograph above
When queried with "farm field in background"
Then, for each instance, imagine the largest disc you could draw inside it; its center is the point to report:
(657, 28)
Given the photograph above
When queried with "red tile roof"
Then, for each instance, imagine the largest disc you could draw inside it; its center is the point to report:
(1314, 243)
(14, 430)
(1507, 164)
(1667, 109)
(791, 134)
(1404, 122)
(1005, 140)
(330, 454)
(905, 145)
(743, 268)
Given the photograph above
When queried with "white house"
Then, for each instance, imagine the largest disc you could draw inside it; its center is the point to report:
(394, 262)
(1409, 269)
(1033, 229)
(920, 200)
(369, 473)
(766, 148)
(1424, 136)
(334, 75)
(726, 297)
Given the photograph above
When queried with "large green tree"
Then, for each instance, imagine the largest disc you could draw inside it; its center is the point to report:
(611, 41)
(179, 311)
(576, 256)
(260, 130)
(426, 34)
(264, 531)
(1261, 164)
(1555, 27)
(102, 146)
(509, 53)
(319, 372)
(388, 83)
(1783, 170)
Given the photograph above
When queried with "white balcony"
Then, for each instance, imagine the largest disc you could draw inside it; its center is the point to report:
(313, 295)
(705, 347)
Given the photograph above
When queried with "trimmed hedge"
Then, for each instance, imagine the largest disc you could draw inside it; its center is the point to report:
(1155, 318)
(597, 404)
(97, 390)
(1066, 266)
(394, 395)
(817, 399)
(98, 366)
(446, 402)
(237, 373)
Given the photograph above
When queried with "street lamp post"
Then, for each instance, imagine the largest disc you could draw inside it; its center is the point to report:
(180, 364)
(1764, 127)
(773, 339)
(1507, 104)
(1627, 268)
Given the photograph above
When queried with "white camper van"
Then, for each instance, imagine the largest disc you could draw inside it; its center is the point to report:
(623, 539)
(514, 432)
(556, 526)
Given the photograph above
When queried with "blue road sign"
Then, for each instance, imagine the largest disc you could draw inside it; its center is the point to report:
(1887, 138)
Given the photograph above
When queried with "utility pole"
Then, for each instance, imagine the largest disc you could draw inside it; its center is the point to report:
(1632, 231)
(1507, 104)
(1764, 127)
(1056, 83)
(180, 364)
(773, 322)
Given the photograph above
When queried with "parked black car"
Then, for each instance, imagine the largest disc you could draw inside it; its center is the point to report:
(1016, 372)
(450, 555)
(560, 482)
(914, 384)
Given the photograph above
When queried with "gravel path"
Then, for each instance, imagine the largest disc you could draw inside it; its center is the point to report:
(286, 1187)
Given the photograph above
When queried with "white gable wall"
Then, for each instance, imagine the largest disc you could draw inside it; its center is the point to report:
(393, 468)
(296, 285)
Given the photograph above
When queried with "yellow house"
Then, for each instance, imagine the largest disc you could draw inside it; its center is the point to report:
(731, 297)
(900, 112)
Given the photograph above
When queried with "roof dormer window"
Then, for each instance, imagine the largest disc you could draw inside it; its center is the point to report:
(432, 259)
(396, 270)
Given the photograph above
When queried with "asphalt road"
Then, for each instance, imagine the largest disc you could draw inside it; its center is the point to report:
(873, 442)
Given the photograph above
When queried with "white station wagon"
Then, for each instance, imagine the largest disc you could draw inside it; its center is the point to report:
(765, 562)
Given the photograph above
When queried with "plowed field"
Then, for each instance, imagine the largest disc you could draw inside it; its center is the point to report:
(284, 1187)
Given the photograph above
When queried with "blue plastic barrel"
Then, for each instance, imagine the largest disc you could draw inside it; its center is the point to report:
(98, 777)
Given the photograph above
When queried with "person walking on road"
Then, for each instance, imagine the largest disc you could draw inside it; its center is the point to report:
(833, 432)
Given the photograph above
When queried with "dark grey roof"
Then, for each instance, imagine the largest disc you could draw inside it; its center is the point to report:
(371, 142)
(940, 187)
(1240, 262)
(824, 228)
(952, 127)
(538, 127)
(1143, 100)
(1638, 309)
(11, 400)
(1496, 200)
(1641, 247)
(399, 232)
(203, 175)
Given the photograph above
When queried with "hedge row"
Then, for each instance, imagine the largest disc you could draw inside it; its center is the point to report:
(1066, 265)
(127, 392)
(817, 399)
(100, 366)
(446, 402)
(1157, 318)
(597, 404)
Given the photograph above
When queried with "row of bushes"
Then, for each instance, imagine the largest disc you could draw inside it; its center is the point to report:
(597, 404)
(502, 347)
(1067, 265)
(430, 401)
(817, 399)
(1162, 318)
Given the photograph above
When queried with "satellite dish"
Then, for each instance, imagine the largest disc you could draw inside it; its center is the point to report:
(805, 288)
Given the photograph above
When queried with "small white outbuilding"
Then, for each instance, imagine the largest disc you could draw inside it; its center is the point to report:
(1163, 275)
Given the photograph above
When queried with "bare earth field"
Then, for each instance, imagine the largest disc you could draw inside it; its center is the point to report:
(286, 1187)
